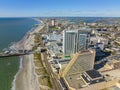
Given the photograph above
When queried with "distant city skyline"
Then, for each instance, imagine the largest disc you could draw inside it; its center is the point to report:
(79, 8)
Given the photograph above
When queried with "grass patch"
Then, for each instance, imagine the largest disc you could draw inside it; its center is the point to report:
(41, 71)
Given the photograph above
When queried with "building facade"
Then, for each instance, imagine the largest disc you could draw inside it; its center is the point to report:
(74, 41)
(83, 40)
(52, 22)
(69, 42)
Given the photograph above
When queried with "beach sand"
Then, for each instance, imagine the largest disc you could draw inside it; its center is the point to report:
(26, 78)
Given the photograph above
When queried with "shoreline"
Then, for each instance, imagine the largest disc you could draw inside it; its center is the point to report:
(26, 36)
(15, 77)
(26, 78)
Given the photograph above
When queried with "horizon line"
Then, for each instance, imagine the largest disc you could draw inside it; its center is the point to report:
(59, 16)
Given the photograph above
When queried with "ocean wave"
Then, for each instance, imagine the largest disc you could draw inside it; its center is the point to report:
(21, 58)
(15, 77)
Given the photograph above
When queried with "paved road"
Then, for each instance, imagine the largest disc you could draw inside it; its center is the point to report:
(49, 69)
(63, 85)
(50, 72)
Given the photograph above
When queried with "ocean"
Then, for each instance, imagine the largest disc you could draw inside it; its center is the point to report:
(11, 30)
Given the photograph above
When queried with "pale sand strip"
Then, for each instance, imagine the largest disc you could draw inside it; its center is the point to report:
(26, 78)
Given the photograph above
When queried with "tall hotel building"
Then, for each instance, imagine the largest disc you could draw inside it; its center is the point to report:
(83, 40)
(52, 22)
(74, 41)
(69, 42)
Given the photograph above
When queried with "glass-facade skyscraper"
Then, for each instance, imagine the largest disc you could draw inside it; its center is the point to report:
(74, 41)
(69, 42)
(83, 40)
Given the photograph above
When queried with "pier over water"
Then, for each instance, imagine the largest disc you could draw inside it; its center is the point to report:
(12, 53)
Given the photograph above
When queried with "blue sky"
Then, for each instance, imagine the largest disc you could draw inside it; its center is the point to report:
(29, 8)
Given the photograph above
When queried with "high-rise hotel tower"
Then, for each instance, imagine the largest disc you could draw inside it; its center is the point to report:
(75, 40)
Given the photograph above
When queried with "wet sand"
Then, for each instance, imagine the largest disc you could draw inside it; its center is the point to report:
(26, 78)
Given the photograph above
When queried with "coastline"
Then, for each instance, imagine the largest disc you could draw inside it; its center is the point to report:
(15, 77)
(26, 78)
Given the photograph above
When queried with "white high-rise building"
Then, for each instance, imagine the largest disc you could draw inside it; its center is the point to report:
(69, 42)
(47, 27)
(52, 22)
(74, 41)
(83, 40)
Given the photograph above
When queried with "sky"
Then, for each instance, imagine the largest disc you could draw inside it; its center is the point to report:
(44, 8)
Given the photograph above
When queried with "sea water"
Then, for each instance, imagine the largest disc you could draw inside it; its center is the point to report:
(11, 30)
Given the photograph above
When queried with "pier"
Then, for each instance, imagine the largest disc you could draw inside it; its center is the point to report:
(11, 55)
(14, 53)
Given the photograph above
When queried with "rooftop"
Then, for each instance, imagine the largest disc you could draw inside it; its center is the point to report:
(59, 44)
(93, 73)
(76, 67)
(54, 49)
(92, 77)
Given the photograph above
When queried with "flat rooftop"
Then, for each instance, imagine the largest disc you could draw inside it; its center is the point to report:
(73, 75)
(93, 74)
(76, 67)
(60, 44)
(75, 81)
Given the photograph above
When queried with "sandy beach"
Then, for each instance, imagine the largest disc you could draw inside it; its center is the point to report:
(26, 78)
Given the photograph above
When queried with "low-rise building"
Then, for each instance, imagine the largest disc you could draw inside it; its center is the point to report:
(97, 39)
(54, 37)
(54, 48)
(81, 61)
